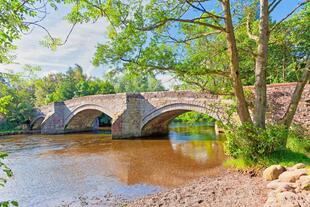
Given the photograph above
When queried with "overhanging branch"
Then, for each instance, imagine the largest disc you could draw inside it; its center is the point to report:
(197, 36)
(191, 21)
(273, 5)
(289, 14)
(171, 69)
(248, 29)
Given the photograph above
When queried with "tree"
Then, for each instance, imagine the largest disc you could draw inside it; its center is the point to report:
(4, 102)
(14, 21)
(127, 81)
(74, 83)
(18, 93)
(158, 35)
(18, 17)
(289, 115)
(93, 87)
(45, 86)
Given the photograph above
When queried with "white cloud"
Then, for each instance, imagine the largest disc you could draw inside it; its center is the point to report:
(78, 50)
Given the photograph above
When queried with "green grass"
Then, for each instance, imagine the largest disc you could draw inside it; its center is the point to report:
(238, 164)
(285, 158)
(297, 144)
(298, 151)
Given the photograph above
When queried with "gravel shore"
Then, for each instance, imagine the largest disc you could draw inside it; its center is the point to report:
(225, 189)
(228, 189)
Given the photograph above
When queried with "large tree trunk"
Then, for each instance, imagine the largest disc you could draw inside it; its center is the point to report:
(260, 67)
(291, 110)
(242, 107)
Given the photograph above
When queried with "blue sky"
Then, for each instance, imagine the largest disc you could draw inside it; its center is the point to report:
(81, 45)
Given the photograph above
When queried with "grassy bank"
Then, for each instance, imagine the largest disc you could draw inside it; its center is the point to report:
(297, 151)
(267, 147)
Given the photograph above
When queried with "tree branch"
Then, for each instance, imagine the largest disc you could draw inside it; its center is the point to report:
(296, 96)
(248, 29)
(273, 5)
(50, 35)
(102, 11)
(191, 21)
(197, 36)
(163, 68)
(195, 7)
(202, 9)
(21, 5)
(289, 14)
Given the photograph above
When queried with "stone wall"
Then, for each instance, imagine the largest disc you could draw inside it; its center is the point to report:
(279, 97)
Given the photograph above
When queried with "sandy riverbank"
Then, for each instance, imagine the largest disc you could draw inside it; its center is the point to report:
(228, 189)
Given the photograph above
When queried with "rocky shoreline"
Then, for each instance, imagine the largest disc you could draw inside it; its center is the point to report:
(290, 186)
(230, 188)
(277, 186)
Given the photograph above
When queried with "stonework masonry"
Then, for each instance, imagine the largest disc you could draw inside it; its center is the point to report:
(147, 114)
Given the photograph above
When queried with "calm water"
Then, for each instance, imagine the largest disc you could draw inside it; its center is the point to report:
(52, 170)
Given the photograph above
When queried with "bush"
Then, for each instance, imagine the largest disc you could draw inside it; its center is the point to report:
(251, 143)
(194, 117)
(8, 127)
(297, 140)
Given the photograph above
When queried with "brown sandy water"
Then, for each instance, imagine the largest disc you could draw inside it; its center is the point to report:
(51, 170)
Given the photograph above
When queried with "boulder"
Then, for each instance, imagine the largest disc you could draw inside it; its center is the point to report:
(272, 202)
(276, 184)
(292, 176)
(288, 199)
(304, 178)
(273, 172)
(304, 182)
(299, 166)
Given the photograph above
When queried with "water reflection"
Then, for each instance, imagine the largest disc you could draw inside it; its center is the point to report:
(55, 168)
(198, 142)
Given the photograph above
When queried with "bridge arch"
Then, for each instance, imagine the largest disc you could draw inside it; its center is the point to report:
(37, 122)
(83, 117)
(157, 121)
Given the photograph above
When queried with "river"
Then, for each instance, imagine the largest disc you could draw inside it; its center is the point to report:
(78, 169)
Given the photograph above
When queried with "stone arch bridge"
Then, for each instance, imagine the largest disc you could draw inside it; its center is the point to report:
(146, 114)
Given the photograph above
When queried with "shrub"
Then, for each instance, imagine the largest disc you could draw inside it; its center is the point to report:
(251, 143)
(8, 173)
(194, 117)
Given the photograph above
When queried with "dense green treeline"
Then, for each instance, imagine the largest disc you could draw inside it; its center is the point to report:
(194, 117)
(20, 93)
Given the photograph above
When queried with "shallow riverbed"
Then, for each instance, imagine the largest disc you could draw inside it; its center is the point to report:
(59, 169)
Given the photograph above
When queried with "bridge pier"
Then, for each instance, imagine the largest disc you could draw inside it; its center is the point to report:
(54, 124)
(128, 125)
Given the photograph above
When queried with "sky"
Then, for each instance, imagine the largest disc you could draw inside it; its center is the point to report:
(81, 45)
